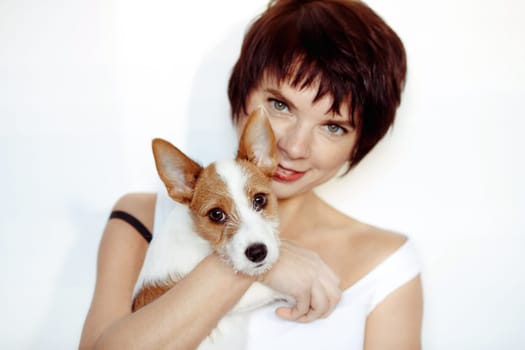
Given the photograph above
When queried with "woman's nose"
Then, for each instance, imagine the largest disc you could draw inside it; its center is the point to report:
(295, 142)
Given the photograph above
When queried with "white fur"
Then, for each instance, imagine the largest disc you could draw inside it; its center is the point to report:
(252, 226)
(176, 249)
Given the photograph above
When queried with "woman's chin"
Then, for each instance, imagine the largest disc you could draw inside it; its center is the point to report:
(288, 190)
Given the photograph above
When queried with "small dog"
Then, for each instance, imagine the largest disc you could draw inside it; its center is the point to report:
(226, 207)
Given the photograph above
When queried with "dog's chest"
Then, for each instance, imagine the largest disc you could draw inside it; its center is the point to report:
(174, 250)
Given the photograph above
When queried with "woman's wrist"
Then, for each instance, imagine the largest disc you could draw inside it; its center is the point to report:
(221, 266)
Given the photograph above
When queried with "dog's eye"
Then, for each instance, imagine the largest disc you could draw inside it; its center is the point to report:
(217, 215)
(259, 201)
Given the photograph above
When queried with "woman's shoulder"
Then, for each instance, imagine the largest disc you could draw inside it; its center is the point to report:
(374, 242)
(369, 246)
(139, 205)
(136, 200)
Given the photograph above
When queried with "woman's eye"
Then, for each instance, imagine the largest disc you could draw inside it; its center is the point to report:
(259, 201)
(217, 215)
(279, 105)
(335, 129)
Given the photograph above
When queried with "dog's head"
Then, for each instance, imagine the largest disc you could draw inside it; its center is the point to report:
(230, 201)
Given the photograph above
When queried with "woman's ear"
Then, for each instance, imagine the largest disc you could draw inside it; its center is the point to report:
(257, 142)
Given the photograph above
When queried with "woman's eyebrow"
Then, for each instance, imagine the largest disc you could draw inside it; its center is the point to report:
(336, 117)
(278, 95)
(343, 122)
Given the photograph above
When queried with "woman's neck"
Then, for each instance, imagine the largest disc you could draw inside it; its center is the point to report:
(295, 213)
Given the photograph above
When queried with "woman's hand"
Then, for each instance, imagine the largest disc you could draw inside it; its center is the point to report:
(302, 274)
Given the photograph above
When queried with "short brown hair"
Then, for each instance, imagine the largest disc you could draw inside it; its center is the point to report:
(342, 44)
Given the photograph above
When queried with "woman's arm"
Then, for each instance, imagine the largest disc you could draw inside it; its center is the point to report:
(183, 316)
(165, 322)
(396, 322)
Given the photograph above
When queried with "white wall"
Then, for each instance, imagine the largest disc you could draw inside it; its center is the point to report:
(85, 85)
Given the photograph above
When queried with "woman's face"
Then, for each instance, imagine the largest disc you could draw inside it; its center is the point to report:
(312, 142)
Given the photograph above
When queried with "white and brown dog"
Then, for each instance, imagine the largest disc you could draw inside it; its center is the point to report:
(226, 207)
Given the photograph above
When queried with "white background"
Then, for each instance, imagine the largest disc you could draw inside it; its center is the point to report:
(85, 86)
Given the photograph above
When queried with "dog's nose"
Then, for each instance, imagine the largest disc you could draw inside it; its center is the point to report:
(256, 252)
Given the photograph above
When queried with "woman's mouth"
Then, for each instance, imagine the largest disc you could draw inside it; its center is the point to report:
(287, 175)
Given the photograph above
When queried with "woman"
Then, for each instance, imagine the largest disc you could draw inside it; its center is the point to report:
(330, 74)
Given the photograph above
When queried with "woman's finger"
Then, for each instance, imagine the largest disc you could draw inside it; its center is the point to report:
(319, 305)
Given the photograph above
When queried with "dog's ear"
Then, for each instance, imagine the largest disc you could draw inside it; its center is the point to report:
(257, 143)
(178, 172)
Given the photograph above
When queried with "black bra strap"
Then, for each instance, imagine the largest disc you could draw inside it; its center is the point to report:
(133, 221)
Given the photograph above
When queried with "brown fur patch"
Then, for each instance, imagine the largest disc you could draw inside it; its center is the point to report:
(149, 293)
(259, 182)
(211, 192)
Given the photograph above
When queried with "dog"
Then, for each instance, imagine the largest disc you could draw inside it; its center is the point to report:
(227, 207)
